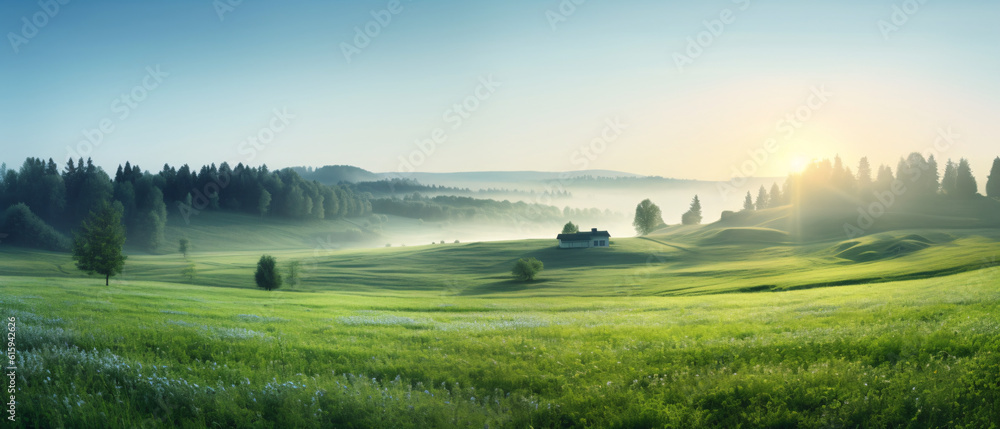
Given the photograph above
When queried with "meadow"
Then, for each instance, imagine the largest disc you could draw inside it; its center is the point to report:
(709, 326)
(919, 353)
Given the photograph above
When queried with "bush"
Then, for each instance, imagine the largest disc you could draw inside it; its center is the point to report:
(27, 229)
(731, 216)
(525, 269)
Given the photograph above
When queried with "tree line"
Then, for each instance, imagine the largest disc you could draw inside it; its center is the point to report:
(916, 180)
(458, 208)
(408, 186)
(39, 203)
(829, 184)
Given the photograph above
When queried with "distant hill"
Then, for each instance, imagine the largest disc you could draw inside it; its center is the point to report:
(504, 176)
(334, 174)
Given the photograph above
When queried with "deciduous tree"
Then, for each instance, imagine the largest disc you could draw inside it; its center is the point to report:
(267, 275)
(647, 217)
(98, 247)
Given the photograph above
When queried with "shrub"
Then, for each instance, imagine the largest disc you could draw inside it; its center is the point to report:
(525, 269)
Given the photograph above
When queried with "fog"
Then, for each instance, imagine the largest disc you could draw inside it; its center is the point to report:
(616, 200)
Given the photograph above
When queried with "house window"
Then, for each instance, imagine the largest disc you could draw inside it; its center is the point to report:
(596, 243)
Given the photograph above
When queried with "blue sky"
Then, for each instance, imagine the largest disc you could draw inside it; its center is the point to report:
(560, 77)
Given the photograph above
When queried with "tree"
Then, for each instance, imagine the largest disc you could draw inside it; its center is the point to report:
(27, 229)
(762, 199)
(965, 182)
(885, 178)
(98, 246)
(776, 198)
(183, 246)
(993, 182)
(264, 202)
(570, 228)
(267, 275)
(949, 181)
(647, 217)
(292, 272)
(748, 202)
(864, 175)
(693, 215)
(188, 272)
(932, 183)
(525, 269)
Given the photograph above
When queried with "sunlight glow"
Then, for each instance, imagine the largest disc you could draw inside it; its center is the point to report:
(798, 164)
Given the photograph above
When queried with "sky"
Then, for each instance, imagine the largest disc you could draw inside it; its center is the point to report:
(699, 90)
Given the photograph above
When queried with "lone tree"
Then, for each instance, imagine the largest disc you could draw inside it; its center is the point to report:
(525, 269)
(267, 275)
(188, 272)
(693, 215)
(292, 272)
(570, 228)
(183, 246)
(98, 247)
(993, 182)
(647, 217)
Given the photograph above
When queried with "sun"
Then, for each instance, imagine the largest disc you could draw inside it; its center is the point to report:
(798, 164)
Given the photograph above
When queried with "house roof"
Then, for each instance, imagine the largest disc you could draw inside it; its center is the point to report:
(582, 236)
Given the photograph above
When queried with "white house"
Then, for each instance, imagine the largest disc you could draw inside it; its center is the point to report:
(593, 238)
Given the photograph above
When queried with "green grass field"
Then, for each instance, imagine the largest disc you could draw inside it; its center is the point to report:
(714, 326)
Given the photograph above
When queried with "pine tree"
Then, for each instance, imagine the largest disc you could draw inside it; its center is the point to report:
(885, 177)
(903, 173)
(993, 182)
(776, 198)
(965, 182)
(933, 183)
(864, 175)
(98, 247)
(693, 215)
(761, 198)
(748, 202)
(948, 182)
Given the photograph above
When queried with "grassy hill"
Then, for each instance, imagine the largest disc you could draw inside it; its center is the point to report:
(656, 331)
(919, 353)
(679, 260)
